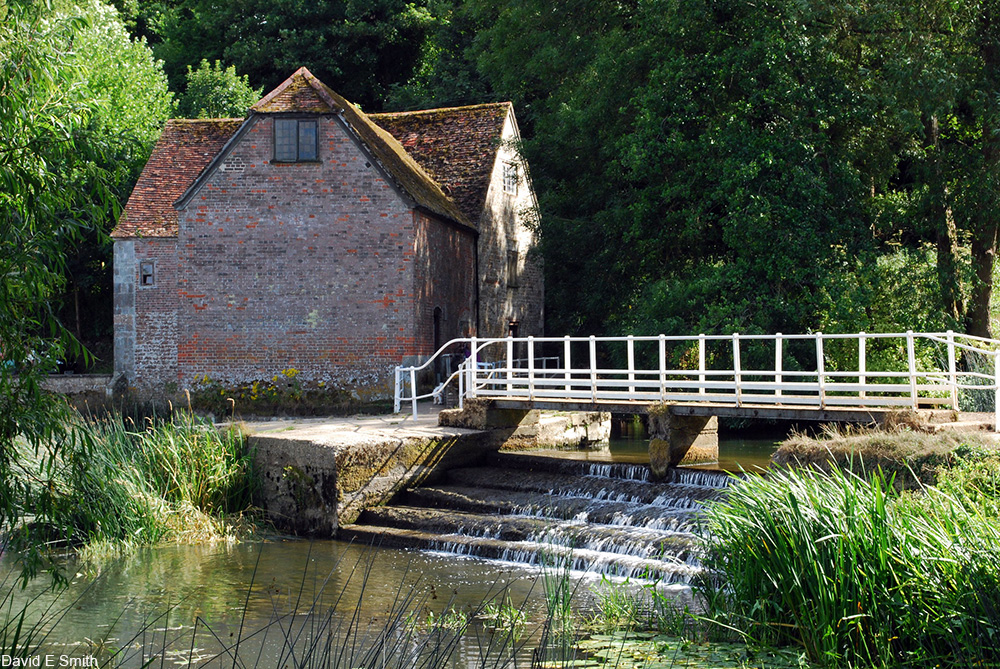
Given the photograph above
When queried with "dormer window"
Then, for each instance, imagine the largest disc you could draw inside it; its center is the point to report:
(295, 141)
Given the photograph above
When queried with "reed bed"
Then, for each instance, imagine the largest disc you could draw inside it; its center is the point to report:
(857, 573)
(119, 484)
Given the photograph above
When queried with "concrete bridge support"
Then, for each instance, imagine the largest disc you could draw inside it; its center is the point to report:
(680, 440)
(532, 428)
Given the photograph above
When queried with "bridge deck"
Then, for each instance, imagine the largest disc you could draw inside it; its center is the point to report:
(827, 415)
(807, 377)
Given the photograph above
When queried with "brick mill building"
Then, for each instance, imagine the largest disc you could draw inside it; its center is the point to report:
(312, 236)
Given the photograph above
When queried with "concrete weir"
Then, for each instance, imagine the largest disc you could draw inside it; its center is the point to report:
(321, 473)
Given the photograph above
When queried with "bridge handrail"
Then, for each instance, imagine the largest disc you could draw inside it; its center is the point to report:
(508, 376)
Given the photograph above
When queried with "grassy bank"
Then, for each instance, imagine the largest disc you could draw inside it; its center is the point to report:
(858, 573)
(912, 456)
(116, 484)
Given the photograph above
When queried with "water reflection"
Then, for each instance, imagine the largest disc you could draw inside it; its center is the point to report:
(735, 453)
(199, 598)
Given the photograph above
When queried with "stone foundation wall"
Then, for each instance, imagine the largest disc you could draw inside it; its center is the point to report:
(680, 440)
(313, 486)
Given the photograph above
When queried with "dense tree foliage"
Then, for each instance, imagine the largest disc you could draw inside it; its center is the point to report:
(359, 47)
(716, 165)
(79, 106)
(216, 92)
(125, 92)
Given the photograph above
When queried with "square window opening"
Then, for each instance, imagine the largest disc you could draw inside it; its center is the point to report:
(147, 276)
(295, 141)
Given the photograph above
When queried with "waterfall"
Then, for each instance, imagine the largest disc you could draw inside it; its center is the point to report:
(600, 518)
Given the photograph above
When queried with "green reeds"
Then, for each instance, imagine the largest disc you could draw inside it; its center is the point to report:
(855, 572)
(117, 485)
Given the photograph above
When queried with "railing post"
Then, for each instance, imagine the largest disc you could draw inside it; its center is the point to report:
(996, 392)
(911, 362)
(396, 396)
(531, 368)
(821, 370)
(737, 376)
(461, 388)
(473, 361)
(701, 364)
(778, 356)
(510, 362)
(952, 370)
(593, 368)
(663, 367)
(862, 364)
(566, 366)
(413, 389)
(631, 367)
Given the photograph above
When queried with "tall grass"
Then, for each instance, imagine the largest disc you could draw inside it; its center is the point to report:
(855, 572)
(119, 484)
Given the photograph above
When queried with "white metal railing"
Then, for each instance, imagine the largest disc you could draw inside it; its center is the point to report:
(861, 370)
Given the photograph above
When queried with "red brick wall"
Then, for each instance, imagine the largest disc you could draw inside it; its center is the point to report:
(307, 266)
(445, 279)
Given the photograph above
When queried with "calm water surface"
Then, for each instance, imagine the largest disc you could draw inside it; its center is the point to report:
(734, 452)
(197, 599)
(200, 597)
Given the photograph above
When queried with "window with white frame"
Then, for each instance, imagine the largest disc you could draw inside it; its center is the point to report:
(295, 140)
(510, 178)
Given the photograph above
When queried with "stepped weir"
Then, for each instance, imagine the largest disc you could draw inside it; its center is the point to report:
(396, 482)
(608, 519)
(451, 485)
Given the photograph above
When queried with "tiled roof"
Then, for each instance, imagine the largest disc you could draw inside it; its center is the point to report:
(183, 151)
(456, 145)
(442, 158)
(302, 92)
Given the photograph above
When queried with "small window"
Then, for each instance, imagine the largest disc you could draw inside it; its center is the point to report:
(295, 141)
(146, 275)
(510, 178)
(513, 270)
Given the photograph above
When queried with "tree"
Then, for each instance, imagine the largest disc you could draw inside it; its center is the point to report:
(747, 166)
(359, 47)
(40, 114)
(214, 92)
(125, 90)
(60, 151)
(446, 75)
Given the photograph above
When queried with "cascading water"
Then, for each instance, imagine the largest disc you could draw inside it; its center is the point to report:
(602, 518)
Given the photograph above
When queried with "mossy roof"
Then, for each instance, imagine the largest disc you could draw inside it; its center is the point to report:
(455, 145)
(182, 153)
(304, 93)
(441, 158)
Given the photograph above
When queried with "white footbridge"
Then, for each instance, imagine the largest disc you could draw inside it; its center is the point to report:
(814, 376)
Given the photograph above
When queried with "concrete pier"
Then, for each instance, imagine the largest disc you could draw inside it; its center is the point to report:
(320, 473)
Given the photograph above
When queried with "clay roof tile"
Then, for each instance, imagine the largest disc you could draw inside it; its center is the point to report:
(457, 146)
(184, 150)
